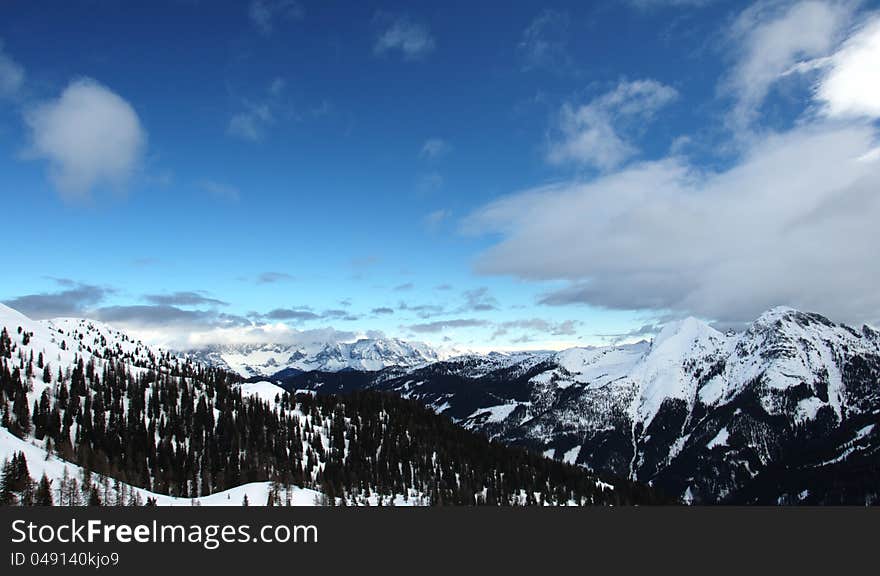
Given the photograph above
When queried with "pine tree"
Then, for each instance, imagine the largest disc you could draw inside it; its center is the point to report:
(94, 497)
(7, 495)
(43, 496)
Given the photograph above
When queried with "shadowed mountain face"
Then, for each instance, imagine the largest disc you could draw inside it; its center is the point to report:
(785, 412)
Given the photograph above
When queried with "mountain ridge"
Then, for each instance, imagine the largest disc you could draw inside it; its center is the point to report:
(704, 415)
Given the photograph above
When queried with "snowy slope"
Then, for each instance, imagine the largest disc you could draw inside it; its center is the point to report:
(54, 468)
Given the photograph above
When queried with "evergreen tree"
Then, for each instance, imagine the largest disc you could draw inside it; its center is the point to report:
(43, 496)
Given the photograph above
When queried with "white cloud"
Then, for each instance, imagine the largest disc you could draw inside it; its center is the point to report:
(434, 148)
(793, 222)
(11, 75)
(591, 134)
(769, 39)
(411, 38)
(851, 85)
(90, 135)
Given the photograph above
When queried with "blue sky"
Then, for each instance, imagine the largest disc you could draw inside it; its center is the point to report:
(499, 175)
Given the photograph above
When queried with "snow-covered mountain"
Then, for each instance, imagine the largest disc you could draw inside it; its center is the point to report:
(266, 360)
(89, 414)
(786, 411)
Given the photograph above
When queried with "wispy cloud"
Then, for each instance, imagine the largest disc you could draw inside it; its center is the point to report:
(264, 14)
(429, 183)
(220, 191)
(593, 134)
(442, 325)
(257, 116)
(11, 75)
(273, 277)
(544, 42)
(436, 218)
(768, 39)
(648, 4)
(434, 148)
(402, 34)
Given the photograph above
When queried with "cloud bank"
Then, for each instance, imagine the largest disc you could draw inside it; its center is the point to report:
(792, 220)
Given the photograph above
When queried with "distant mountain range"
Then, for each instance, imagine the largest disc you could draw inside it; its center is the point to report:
(785, 412)
(266, 360)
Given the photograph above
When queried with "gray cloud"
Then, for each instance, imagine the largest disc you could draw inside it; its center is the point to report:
(296, 314)
(71, 301)
(184, 299)
(404, 287)
(441, 325)
(382, 310)
(650, 329)
(422, 310)
(305, 314)
(163, 316)
(566, 328)
(479, 300)
(273, 277)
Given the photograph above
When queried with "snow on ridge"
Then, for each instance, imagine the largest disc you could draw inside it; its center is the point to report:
(265, 391)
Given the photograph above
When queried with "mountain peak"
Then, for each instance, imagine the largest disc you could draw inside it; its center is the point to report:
(685, 331)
